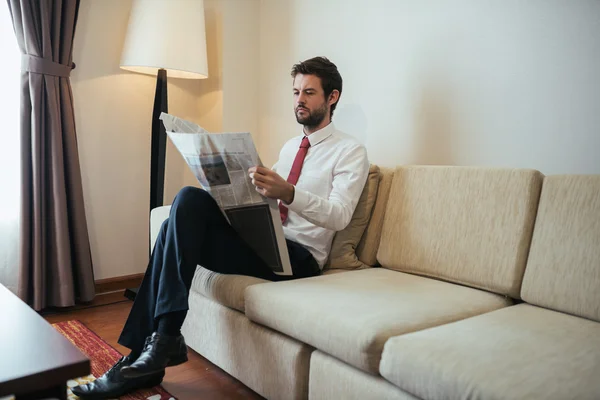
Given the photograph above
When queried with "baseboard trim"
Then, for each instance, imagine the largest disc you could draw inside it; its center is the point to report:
(118, 283)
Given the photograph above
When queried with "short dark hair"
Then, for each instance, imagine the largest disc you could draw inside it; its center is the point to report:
(326, 70)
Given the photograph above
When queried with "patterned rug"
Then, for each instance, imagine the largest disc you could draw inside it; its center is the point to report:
(102, 357)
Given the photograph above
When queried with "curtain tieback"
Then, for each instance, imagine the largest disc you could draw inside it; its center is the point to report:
(39, 65)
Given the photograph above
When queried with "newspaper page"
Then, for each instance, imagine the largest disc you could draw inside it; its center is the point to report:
(220, 163)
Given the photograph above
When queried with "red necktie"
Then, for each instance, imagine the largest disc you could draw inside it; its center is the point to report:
(295, 173)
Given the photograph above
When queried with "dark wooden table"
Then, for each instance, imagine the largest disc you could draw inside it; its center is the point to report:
(35, 360)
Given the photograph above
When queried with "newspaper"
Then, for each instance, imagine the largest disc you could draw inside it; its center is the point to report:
(220, 163)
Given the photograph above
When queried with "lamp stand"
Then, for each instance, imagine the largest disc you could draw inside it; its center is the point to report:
(159, 142)
(158, 152)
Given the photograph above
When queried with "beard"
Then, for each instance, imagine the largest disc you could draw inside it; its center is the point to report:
(314, 118)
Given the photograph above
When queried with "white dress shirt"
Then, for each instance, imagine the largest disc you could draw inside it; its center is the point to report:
(331, 181)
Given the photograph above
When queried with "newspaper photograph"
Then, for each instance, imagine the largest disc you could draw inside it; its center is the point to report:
(220, 163)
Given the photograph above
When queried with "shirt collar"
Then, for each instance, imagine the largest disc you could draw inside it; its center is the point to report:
(320, 135)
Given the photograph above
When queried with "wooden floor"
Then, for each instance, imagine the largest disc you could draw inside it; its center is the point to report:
(195, 380)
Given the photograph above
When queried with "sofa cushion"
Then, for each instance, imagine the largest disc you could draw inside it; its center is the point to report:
(520, 352)
(225, 289)
(352, 314)
(333, 379)
(369, 243)
(343, 247)
(469, 225)
(271, 364)
(563, 271)
(334, 271)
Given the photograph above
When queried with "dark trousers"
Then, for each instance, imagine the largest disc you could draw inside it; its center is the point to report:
(196, 233)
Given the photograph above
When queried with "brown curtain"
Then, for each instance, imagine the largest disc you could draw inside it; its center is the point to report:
(56, 266)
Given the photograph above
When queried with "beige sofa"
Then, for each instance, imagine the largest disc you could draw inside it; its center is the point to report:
(455, 283)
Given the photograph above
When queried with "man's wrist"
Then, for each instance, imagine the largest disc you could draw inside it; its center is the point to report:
(290, 196)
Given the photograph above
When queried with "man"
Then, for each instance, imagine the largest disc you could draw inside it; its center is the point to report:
(326, 171)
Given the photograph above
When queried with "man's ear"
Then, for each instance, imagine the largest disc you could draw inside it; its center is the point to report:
(334, 96)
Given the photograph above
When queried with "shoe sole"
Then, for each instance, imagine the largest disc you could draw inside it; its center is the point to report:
(99, 396)
(132, 373)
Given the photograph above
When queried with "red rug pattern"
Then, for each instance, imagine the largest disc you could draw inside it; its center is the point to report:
(102, 357)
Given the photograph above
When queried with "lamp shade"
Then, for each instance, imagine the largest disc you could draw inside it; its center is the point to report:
(167, 34)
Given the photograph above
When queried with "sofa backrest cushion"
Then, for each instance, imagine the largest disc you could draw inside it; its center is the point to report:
(469, 225)
(563, 270)
(369, 243)
(343, 247)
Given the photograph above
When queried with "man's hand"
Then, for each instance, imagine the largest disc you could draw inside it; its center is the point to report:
(270, 184)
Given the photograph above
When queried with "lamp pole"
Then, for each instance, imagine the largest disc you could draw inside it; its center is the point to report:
(159, 142)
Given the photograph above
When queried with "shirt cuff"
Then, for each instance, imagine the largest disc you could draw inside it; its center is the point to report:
(300, 201)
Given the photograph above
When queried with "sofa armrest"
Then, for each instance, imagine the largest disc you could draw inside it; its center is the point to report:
(157, 217)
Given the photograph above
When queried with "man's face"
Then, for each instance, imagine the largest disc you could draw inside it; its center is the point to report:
(310, 105)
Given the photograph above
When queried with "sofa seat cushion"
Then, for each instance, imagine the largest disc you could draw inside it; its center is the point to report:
(227, 290)
(520, 352)
(331, 378)
(351, 315)
(333, 271)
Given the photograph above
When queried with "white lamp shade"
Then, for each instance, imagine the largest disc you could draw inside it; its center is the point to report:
(168, 34)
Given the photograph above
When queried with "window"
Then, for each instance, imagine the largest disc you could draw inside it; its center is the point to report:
(9, 150)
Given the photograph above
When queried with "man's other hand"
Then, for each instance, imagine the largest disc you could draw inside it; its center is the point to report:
(270, 184)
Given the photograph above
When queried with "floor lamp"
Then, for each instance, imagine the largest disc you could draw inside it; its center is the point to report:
(164, 37)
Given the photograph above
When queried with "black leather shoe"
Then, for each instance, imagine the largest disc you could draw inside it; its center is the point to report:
(113, 384)
(160, 351)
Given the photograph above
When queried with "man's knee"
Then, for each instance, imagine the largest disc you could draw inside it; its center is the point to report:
(193, 197)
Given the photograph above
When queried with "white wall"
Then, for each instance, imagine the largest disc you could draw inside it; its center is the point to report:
(499, 83)
(113, 110)
(241, 63)
(229, 100)
(493, 83)
(208, 104)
